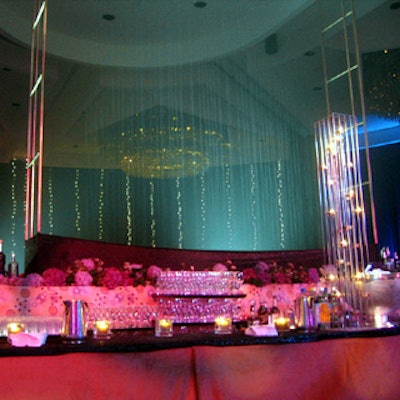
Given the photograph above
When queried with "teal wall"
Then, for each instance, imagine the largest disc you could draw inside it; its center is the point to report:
(247, 210)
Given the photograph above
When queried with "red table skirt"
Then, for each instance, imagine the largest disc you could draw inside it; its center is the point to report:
(353, 369)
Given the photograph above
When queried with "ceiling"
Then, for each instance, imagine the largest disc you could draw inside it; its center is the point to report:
(99, 48)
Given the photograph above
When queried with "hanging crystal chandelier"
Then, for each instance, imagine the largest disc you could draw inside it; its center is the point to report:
(161, 143)
(164, 163)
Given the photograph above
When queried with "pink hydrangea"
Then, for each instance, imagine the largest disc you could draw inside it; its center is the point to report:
(54, 277)
(219, 267)
(249, 274)
(262, 271)
(281, 277)
(11, 281)
(83, 278)
(313, 275)
(153, 272)
(33, 279)
(88, 263)
(112, 278)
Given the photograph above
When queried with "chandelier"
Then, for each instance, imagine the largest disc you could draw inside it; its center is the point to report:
(164, 163)
(161, 143)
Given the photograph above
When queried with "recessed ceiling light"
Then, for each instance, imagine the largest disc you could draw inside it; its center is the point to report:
(200, 4)
(108, 17)
(395, 5)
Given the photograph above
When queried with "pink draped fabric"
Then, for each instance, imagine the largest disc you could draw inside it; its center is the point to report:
(161, 375)
(345, 369)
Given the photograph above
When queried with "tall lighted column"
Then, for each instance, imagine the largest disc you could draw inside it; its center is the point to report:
(341, 199)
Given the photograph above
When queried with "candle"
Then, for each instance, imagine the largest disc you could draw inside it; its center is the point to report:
(332, 277)
(282, 324)
(15, 327)
(102, 329)
(381, 319)
(163, 327)
(223, 325)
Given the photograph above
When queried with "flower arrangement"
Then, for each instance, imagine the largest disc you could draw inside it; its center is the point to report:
(92, 272)
(263, 274)
(89, 272)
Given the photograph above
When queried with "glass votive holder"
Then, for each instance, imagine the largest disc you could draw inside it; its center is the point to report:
(381, 320)
(223, 325)
(164, 327)
(102, 329)
(15, 327)
(282, 324)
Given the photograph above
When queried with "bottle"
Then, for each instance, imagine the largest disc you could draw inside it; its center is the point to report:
(274, 312)
(253, 316)
(322, 310)
(263, 312)
(336, 309)
(13, 267)
(2, 260)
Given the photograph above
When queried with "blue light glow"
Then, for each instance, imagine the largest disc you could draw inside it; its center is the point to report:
(381, 132)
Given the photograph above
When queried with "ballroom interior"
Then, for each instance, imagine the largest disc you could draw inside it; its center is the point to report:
(191, 124)
(203, 199)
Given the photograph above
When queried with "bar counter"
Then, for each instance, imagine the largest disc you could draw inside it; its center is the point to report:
(197, 364)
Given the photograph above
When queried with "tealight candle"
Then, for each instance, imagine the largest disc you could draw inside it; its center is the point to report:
(282, 324)
(164, 327)
(223, 325)
(102, 329)
(15, 327)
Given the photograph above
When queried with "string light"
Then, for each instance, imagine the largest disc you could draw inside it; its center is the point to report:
(13, 201)
(228, 204)
(382, 83)
(280, 205)
(158, 144)
(179, 211)
(203, 209)
(253, 206)
(153, 220)
(51, 201)
(129, 240)
(77, 201)
(100, 212)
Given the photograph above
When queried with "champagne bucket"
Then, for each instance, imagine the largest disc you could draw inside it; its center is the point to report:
(74, 326)
(303, 313)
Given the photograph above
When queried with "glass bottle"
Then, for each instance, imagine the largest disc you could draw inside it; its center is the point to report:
(2, 259)
(263, 312)
(253, 316)
(336, 309)
(13, 267)
(322, 310)
(274, 312)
